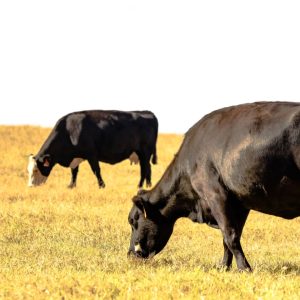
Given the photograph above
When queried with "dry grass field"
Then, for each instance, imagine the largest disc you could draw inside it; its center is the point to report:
(57, 243)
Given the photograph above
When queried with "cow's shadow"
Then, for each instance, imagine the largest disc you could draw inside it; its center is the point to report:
(284, 267)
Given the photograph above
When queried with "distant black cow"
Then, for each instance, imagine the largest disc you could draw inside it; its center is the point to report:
(97, 135)
(233, 160)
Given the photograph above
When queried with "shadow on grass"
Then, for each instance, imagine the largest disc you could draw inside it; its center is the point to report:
(171, 264)
(282, 268)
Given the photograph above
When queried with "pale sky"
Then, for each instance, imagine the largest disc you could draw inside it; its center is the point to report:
(179, 59)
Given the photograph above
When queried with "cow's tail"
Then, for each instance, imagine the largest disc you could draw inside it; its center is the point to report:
(154, 156)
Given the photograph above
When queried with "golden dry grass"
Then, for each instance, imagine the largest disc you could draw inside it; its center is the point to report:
(58, 243)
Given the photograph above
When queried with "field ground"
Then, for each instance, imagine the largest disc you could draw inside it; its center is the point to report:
(58, 243)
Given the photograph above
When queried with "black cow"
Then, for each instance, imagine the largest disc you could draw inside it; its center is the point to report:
(97, 135)
(233, 160)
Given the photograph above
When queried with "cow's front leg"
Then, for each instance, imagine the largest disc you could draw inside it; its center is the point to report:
(227, 257)
(231, 217)
(94, 164)
(74, 173)
(232, 240)
(228, 213)
(240, 215)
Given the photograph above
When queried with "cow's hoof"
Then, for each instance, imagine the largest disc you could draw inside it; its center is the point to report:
(101, 185)
(246, 270)
(148, 184)
(71, 185)
(223, 268)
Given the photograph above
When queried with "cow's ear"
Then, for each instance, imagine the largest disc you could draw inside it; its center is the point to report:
(141, 192)
(139, 203)
(46, 160)
(142, 204)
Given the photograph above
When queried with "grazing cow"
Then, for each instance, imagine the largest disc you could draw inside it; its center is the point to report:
(97, 135)
(231, 161)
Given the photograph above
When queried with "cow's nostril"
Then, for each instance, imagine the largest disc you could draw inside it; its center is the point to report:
(139, 253)
(130, 253)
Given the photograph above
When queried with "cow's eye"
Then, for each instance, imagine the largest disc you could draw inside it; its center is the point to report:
(136, 216)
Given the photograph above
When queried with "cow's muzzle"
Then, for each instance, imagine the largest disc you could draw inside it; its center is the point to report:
(140, 253)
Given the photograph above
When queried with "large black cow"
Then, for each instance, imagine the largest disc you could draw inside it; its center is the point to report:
(233, 160)
(97, 135)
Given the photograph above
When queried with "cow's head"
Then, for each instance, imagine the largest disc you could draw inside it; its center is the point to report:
(38, 169)
(150, 229)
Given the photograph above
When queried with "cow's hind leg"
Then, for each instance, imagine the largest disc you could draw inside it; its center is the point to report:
(74, 173)
(145, 169)
(148, 173)
(143, 173)
(94, 164)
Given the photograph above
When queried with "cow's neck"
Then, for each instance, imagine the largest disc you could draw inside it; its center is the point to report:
(173, 194)
(56, 149)
(49, 145)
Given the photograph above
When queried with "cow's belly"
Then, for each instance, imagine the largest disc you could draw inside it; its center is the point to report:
(113, 158)
(282, 200)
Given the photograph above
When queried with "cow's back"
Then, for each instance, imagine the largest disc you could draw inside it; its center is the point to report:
(250, 147)
(115, 134)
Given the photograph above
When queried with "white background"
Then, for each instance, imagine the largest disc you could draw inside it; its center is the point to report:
(180, 59)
